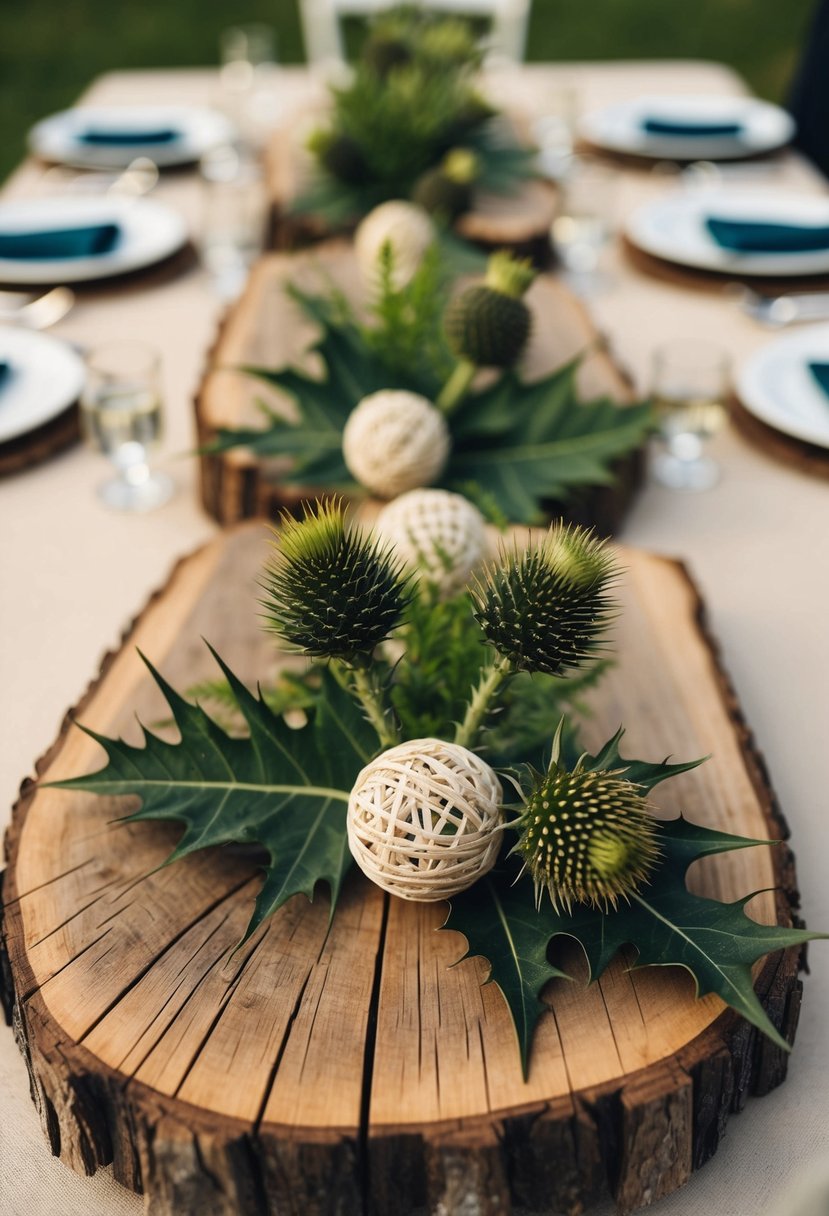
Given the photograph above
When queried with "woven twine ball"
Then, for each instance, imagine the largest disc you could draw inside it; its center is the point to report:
(424, 819)
(407, 228)
(443, 535)
(395, 441)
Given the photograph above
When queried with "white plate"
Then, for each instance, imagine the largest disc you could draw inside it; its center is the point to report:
(57, 138)
(619, 127)
(45, 377)
(673, 227)
(775, 385)
(150, 232)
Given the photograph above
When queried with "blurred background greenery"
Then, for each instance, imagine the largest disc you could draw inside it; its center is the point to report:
(51, 49)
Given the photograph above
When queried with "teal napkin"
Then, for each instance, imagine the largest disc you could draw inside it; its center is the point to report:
(820, 371)
(45, 244)
(694, 127)
(111, 136)
(5, 373)
(759, 236)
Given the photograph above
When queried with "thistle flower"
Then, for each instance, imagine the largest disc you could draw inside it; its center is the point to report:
(386, 50)
(332, 592)
(547, 607)
(341, 155)
(586, 837)
(488, 324)
(446, 191)
(449, 42)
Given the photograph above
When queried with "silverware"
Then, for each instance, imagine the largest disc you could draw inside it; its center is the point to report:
(39, 312)
(777, 311)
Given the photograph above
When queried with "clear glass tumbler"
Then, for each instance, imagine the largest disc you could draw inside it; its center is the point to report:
(121, 413)
(690, 382)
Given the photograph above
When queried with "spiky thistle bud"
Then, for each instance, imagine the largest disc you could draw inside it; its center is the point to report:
(547, 607)
(331, 591)
(586, 837)
(446, 191)
(340, 154)
(384, 51)
(488, 324)
(450, 42)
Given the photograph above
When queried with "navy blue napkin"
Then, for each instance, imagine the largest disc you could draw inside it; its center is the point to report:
(112, 137)
(761, 236)
(820, 371)
(693, 127)
(5, 373)
(45, 244)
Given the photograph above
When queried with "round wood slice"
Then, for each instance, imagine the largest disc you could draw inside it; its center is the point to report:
(344, 1068)
(266, 328)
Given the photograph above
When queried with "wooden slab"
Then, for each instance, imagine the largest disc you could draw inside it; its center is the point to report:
(265, 327)
(331, 1071)
(520, 220)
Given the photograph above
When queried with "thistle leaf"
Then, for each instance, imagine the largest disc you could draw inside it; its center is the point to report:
(284, 789)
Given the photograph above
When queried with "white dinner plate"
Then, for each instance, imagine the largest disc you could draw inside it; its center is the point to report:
(59, 138)
(619, 127)
(45, 377)
(775, 385)
(673, 227)
(149, 232)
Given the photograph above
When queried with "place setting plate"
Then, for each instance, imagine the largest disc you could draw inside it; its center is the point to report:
(108, 137)
(41, 379)
(778, 386)
(693, 126)
(675, 228)
(81, 239)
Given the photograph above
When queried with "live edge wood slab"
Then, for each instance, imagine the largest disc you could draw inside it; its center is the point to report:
(266, 328)
(332, 1070)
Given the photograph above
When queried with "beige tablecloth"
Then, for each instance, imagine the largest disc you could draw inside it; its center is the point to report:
(73, 575)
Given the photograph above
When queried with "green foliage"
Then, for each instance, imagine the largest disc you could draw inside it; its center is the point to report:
(284, 789)
(516, 446)
(407, 331)
(664, 922)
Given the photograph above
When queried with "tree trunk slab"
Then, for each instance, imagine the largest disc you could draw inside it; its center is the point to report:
(331, 1070)
(266, 328)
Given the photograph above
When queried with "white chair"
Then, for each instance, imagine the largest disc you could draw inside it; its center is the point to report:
(323, 33)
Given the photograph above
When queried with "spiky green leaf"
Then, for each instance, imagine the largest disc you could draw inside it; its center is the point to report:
(284, 789)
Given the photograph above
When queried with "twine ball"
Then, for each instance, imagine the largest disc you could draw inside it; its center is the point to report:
(394, 441)
(424, 819)
(409, 231)
(442, 535)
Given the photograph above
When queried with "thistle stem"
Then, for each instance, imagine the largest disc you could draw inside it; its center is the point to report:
(456, 387)
(371, 699)
(492, 680)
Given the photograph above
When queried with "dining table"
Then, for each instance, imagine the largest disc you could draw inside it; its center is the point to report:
(74, 574)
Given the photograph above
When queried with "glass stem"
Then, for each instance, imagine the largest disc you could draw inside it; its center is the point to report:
(492, 680)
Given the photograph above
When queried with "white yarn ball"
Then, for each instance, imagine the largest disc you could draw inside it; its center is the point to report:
(406, 227)
(394, 441)
(424, 819)
(441, 534)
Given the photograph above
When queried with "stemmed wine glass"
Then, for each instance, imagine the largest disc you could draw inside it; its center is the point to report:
(121, 412)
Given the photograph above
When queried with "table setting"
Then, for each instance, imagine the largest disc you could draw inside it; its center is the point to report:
(317, 909)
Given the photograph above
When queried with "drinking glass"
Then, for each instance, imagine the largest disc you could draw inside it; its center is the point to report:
(585, 215)
(690, 386)
(122, 417)
(246, 93)
(234, 218)
(554, 130)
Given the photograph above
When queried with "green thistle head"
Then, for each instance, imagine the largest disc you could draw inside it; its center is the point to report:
(449, 42)
(385, 50)
(331, 591)
(489, 324)
(547, 608)
(586, 837)
(341, 155)
(446, 190)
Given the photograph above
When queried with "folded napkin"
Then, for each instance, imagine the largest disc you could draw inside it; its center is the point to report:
(761, 236)
(5, 373)
(45, 243)
(693, 127)
(112, 136)
(820, 371)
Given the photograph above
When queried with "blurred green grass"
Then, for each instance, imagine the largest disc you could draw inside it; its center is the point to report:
(51, 49)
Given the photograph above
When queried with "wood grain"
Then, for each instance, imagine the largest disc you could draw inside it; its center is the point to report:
(347, 1068)
(267, 328)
